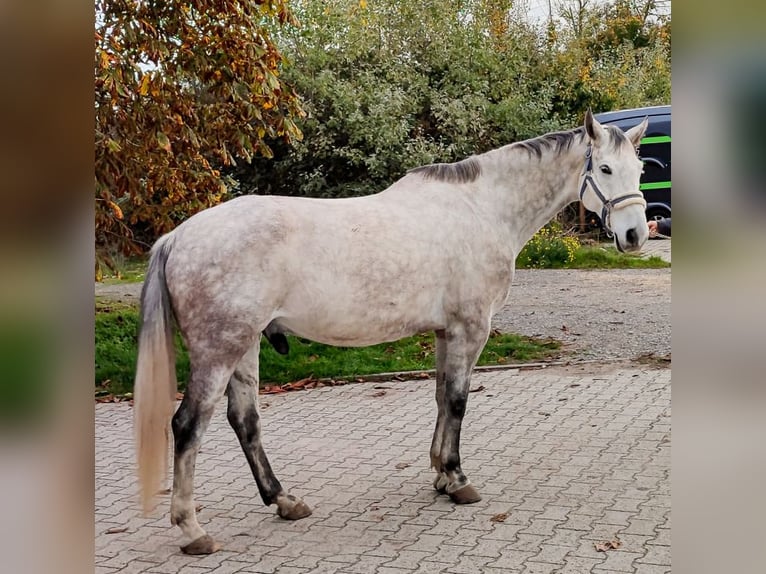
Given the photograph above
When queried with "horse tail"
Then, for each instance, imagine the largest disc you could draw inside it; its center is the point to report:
(155, 385)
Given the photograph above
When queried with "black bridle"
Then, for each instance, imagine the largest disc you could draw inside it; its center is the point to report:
(607, 204)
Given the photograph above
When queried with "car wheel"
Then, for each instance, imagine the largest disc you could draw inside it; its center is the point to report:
(657, 213)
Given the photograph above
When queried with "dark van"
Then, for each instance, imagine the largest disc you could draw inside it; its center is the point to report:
(654, 151)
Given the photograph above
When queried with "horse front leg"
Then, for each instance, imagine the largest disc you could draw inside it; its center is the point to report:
(440, 482)
(463, 345)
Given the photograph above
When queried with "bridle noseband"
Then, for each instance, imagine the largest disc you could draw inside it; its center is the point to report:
(607, 204)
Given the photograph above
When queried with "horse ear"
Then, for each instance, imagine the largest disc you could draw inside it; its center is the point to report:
(637, 132)
(595, 130)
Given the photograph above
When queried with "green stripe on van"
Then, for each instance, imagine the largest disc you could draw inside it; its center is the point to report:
(656, 139)
(654, 185)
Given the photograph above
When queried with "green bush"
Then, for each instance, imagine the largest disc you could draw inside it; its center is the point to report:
(549, 248)
(388, 86)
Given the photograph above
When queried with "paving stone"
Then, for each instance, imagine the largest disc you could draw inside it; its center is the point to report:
(579, 565)
(408, 559)
(563, 483)
(551, 554)
(658, 555)
(619, 561)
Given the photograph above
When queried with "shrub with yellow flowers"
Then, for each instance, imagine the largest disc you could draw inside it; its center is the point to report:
(551, 247)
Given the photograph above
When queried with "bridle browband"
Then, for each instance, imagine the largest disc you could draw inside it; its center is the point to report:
(607, 204)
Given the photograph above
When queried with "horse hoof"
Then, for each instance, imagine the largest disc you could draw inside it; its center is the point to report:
(293, 509)
(202, 545)
(466, 495)
(440, 484)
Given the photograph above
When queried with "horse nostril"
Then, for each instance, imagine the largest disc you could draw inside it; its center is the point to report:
(631, 236)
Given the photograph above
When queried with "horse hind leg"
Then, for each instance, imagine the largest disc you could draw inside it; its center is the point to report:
(189, 424)
(244, 419)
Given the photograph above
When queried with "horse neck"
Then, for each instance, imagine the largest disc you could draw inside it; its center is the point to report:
(527, 191)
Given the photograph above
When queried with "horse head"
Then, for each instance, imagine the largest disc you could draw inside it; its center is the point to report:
(610, 184)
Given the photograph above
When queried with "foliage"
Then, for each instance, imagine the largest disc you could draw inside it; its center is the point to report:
(610, 56)
(549, 248)
(116, 354)
(554, 248)
(390, 85)
(181, 89)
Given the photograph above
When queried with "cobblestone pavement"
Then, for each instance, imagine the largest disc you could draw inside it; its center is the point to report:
(574, 457)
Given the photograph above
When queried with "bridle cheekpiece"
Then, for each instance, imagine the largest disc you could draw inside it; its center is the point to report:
(607, 204)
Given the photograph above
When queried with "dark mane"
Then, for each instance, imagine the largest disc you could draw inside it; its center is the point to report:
(560, 142)
(556, 141)
(468, 170)
(464, 171)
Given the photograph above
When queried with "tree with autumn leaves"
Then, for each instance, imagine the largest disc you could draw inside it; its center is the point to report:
(182, 89)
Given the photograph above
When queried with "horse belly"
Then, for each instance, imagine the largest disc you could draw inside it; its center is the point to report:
(349, 324)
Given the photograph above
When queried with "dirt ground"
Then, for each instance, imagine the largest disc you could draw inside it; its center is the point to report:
(598, 314)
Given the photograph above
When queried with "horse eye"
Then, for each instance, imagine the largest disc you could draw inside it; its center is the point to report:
(606, 169)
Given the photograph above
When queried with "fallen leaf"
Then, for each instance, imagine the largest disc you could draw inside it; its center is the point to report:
(402, 465)
(608, 545)
(499, 517)
(477, 389)
(423, 376)
(379, 394)
(117, 530)
(297, 385)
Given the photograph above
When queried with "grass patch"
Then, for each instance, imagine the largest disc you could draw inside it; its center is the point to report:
(130, 270)
(607, 257)
(116, 325)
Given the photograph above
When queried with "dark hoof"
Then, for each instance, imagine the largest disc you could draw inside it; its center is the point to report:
(203, 545)
(440, 485)
(466, 495)
(295, 512)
